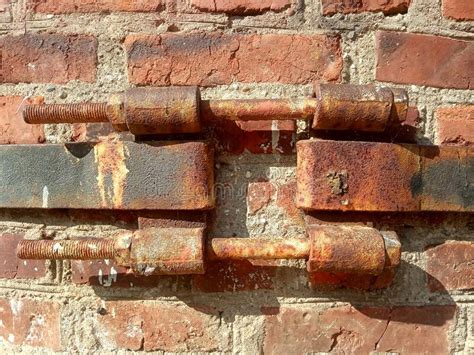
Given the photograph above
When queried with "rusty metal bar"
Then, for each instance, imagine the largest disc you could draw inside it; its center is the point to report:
(65, 113)
(259, 110)
(169, 110)
(108, 175)
(80, 249)
(258, 248)
(367, 176)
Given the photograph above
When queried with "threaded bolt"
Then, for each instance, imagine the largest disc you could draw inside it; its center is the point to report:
(66, 113)
(83, 249)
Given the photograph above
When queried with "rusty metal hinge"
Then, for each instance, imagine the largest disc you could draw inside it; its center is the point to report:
(171, 110)
(108, 175)
(178, 251)
(363, 176)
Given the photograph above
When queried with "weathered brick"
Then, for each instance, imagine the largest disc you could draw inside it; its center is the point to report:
(97, 132)
(4, 4)
(13, 129)
(13, 268)
(256, 137)
(401, 58)
(331, 281)
(456, 124)
(241, 7)
(166, 327)
(259, 194)
(459, 9)
(106, 273)
(388, 7)
(48, 58)
(30, 322)
(286, 194)
(72, 6)
(407, 330)
(234, 276)
(449, 266)
(209, 59)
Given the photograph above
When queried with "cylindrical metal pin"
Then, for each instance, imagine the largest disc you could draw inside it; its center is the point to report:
(258, 248)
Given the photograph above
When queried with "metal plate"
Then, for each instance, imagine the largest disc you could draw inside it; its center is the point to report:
(108, 175)
(362, 176)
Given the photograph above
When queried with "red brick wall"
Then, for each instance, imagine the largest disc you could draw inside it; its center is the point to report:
(73, 51)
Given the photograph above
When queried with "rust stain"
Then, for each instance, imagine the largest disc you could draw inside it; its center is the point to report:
(111, 172)
(358, 107)
(257, 248)
(258, 109)
(349, 249)
(163, 110)
(168, 251)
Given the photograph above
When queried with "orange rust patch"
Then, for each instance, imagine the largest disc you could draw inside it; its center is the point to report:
(353, 249)
(110, 159)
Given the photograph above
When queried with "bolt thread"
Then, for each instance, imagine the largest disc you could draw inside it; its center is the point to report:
(84, 249)
(65, 113)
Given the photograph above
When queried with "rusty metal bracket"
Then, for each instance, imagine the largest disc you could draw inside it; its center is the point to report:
(177, 251)
(363, 176)
(108, 175)
(171, 110)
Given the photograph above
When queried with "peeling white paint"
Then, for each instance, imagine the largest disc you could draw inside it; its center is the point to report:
(35, 333)
(275, 136)
(57, 248)
(11, 338)
(45, 197)
(100, 276)
(111, 278)
(149, 270)
(16, 306)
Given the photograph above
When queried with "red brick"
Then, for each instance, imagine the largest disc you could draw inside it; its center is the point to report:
(388, 7)
(48, 58)
(209, 59)
(259, 194)
(108, 274)
(449, 266)
(166, 327)
(424, 330)
(30, 322)
(13, 129)
(456, 124)
(401, 58)
(241, 7)
(13, 268)
(4, 4)
(407, 330)
(286, 194)
(459, 9)
(234, 276)
(72, 6)
(256, 137)
(325, 280)
(97, 132)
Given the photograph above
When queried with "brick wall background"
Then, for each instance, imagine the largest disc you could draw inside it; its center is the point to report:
(83, 50)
